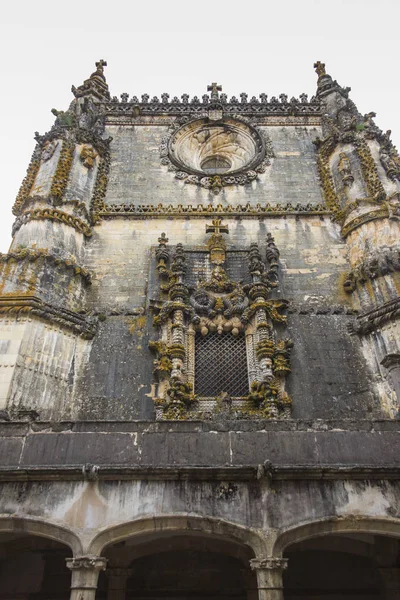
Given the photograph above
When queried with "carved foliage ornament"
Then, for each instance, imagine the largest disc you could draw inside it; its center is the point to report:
(215, 154)
(220, 305)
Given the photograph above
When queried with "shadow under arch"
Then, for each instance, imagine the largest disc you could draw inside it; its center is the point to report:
(183, 523)
(40, 528)
(355, 524)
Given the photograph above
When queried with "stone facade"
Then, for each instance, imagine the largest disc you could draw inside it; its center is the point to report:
(200, 351)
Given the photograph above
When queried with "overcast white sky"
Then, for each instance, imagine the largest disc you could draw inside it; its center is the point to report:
(178, 46)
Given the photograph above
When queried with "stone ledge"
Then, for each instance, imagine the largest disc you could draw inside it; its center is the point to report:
(189, 445)
(243, 473)
(204, 426)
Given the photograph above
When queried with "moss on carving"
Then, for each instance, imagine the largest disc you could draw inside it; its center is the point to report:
(61, 176)
(28, 182)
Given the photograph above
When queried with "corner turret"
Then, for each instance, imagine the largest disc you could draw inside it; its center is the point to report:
(359, 169)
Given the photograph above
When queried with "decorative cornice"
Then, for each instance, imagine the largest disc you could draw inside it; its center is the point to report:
(45, 201)
(268, 562)
(195, 107)
(161, 210)
(373, 319)
(30, 255)
(379, 213)
(27, 305)
(53, 214)
(132, 120)
(245, 473)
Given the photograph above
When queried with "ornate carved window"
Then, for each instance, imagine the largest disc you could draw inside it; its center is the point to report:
(218, 349)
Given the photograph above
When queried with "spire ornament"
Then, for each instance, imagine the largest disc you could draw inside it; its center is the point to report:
(319, 68)
(214, 88)
(216, 243)
(95, 87)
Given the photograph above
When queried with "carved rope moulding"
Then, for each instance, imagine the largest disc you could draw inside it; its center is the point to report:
(214, 154)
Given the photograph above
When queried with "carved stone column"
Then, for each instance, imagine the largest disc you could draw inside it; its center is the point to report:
(391, 582)
(117, 580)
(85, 573)
(269, 577)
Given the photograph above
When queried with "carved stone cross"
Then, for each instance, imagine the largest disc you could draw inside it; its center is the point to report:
(100, 65)
(214, 88)
(217, 227)
(319, 68)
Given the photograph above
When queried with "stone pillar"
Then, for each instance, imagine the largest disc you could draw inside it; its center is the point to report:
(117, 580)
(85, 573)
(391, 362)
(269, 577)
(391, 582)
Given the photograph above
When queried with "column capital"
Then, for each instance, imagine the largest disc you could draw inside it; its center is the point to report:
(97, 563)
(268, 563)
(84, 575)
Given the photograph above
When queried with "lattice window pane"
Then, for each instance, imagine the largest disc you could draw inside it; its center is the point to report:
(220, 365)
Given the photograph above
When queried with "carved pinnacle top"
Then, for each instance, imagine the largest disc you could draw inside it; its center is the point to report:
(217, 227)
(99, 72)
(319, 68)
(214, 88)
(163, 240)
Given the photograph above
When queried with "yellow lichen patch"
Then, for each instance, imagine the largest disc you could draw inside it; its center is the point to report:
(27, 183)
(137, 325)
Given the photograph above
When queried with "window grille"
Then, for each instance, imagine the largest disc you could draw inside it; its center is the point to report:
(220, 365)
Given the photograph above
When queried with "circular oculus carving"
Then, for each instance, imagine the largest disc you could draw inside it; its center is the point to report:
(207, 148)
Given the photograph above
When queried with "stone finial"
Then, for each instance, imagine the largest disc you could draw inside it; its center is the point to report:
(214, 88)
(163, 240)
(216, 243)
(100, 68)
(319, 68)
(96, 86)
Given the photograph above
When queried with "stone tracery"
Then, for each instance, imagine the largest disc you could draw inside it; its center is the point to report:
(214, 153)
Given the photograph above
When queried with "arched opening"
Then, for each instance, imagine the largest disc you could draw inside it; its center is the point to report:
(178, 565)
(33, 567)
(214, 165)
(343, 566)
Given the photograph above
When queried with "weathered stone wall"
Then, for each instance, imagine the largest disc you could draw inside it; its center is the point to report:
(329, 374)
(137, 176)
(221, 476)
